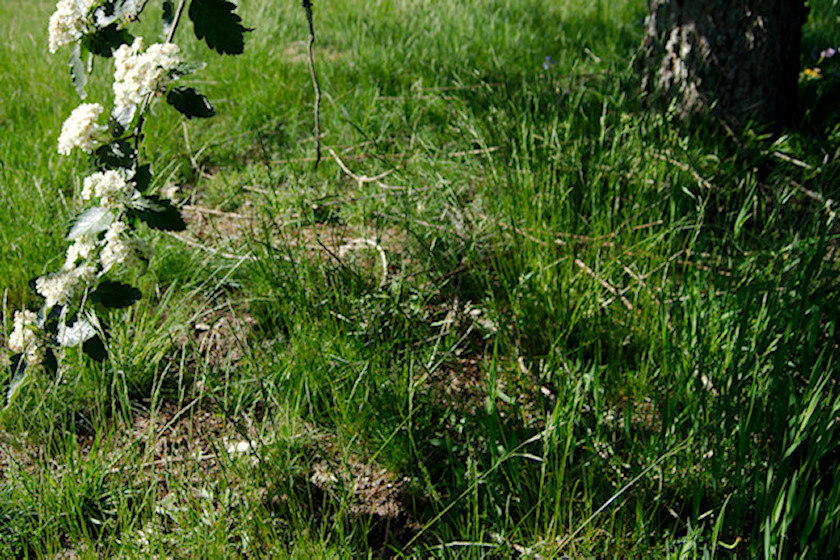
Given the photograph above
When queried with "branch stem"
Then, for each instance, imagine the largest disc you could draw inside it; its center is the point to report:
(307, 5)
(146, 100)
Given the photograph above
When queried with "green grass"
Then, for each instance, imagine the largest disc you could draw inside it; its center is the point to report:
(600, 334)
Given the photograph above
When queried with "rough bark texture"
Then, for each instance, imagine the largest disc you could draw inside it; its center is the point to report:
(737, 58)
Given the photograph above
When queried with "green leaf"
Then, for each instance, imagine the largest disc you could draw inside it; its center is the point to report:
(215, 22)
(95, 348)
(51, 322)
(158, 213)
(78, 71)
(106, 40)
(190, 103)
(114, 10)
(50, 362)
(118, 153)
(142, 177)
(81, 331)
(115, 127)
(90, 222)
(19, 374)
(123, 116)
(185, 69)
(114, 295)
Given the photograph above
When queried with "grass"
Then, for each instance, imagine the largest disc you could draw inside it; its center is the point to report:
(597, 333)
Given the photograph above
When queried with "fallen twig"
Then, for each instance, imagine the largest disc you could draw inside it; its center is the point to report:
(209, 249)
(699, 178)
(361, 179)
(605, 284)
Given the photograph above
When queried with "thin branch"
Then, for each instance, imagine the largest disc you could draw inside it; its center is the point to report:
(361, 179)
(148, 98)
(209, 249)
(607, 286)
(683, 167)
(307, 5)
(175, 21)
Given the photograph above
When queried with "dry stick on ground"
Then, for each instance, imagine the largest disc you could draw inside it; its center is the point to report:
(209, 249)
(399, 155)
(607, 286)
(361, 179)
(683, 167)
(307, 5)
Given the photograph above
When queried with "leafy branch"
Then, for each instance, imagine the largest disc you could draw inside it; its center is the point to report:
(104, 241)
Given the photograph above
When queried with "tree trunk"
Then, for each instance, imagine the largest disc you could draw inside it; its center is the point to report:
(738, 59)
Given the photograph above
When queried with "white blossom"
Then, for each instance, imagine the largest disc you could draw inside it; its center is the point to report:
(80, 129)
(138, 73)
(111, 187)
(82, 250)
(59, 288)
(121, 247)
(68, 22)
(24, 338)
(128, 10)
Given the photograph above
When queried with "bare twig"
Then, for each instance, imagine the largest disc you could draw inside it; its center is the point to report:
(361, 179)
(209, 249)
(215, 212)
(423, 223)
(604, 283)
(307, 5)
(790, 159)
(399, 155)
(355, 244)
(148, 97)
(699, 178)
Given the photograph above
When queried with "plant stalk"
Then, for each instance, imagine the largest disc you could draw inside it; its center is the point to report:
(307, 5)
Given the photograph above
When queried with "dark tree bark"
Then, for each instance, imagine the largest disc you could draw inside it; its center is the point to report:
(738, 59)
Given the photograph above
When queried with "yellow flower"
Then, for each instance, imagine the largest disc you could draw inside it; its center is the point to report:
(812, 73)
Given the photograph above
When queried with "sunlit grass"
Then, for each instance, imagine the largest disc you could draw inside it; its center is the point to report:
(596, 333)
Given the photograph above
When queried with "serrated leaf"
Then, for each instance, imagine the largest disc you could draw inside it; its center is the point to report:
(115, 295)
(95, 348)
(118, 153)
(123, 115)
(190, 103)
(50, 362)
(78, 72)
(142, 177)
(50, 324)
(106, 40)
(215, 22)
(115, 127)
(81, 331)
(158, 213)
(19, 374)
(115, 10)
(90, 222)
(185, 69)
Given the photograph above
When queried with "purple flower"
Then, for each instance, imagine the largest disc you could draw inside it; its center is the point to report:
(828, 53)
(548, 63)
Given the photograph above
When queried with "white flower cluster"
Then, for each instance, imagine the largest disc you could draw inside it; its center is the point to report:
(123, 248)
(24, 338)
(80, 129)
(138, 73)
(111, 188)
(68, 22)
(59, 288)
(82, 250)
